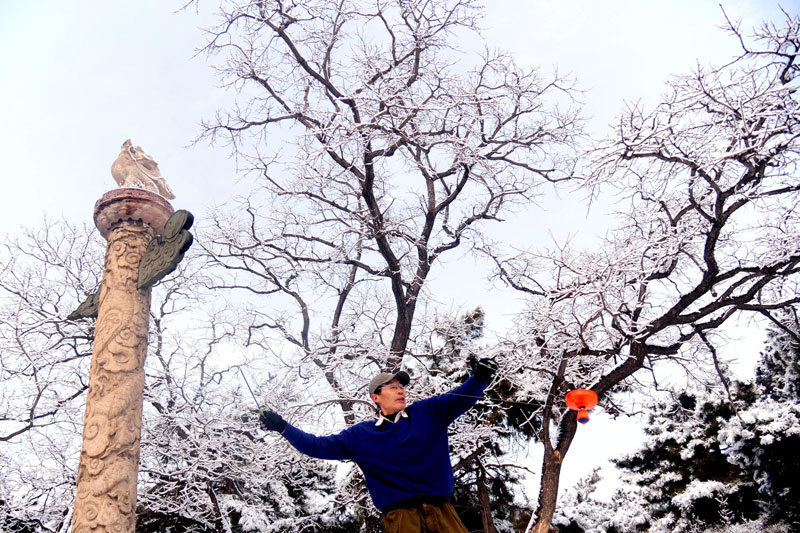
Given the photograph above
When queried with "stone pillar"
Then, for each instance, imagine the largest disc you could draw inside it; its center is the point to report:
(106, 493)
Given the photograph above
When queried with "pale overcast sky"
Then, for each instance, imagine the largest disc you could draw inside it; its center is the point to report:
(80, 77)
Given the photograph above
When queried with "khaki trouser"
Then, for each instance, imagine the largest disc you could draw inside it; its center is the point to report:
(426, 518)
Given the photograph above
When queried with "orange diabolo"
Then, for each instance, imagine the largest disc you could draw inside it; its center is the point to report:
(581, 400)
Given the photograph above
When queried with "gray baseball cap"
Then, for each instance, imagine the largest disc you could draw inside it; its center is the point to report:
(385, 377)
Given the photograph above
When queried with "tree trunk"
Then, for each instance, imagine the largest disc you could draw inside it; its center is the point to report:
(548, 493)
(483, 497)
(219, 519)
(402, 332)
(551, 474)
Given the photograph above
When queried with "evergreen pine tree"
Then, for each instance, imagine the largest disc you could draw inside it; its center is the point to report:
(684, 477)
(764, 438)
(778, 371)
(709, 464)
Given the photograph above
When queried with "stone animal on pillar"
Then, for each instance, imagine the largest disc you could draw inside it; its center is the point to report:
(135, 168)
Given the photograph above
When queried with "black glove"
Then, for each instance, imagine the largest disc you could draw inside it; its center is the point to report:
(485, 369)
(272, 421)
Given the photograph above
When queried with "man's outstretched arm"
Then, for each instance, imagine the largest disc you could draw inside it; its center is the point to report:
(329, 447)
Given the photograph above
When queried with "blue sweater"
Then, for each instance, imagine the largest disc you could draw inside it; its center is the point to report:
(407, 459)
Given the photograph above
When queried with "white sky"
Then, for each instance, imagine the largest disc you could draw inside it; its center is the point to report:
(80, 77)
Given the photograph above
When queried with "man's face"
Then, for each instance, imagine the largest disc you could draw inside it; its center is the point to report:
(391, 398)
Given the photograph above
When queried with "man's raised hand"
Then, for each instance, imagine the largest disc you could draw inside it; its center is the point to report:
(485, 369)
(272, 421)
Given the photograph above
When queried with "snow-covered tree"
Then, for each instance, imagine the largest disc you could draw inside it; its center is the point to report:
(685, 477)
(580, 511)
(44, 369)
(709, 230)
(205, 463)
(376, 152)
(778, 370)
(392, 152)
(713, 461)
(378, 146)
(762, 440)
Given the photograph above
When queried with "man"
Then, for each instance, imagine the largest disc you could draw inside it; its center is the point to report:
(404, 454)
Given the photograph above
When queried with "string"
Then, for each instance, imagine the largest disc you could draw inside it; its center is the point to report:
(501, 400)
(355, 400)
